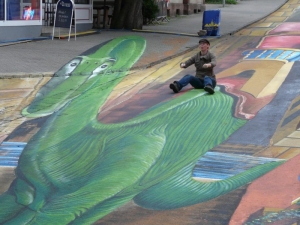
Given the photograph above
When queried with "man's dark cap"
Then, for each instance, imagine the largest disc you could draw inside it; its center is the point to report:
(204, 41)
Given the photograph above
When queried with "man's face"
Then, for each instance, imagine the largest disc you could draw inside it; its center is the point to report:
(203, 46)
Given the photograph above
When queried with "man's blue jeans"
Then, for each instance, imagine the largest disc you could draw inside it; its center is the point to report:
(196, 82)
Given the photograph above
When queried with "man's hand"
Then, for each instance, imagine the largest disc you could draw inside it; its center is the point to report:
(182, 65)
(207, 65)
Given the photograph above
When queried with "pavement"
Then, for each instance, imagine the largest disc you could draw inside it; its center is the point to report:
(45, 57)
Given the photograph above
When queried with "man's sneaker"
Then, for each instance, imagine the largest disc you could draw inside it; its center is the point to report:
(209, 89)
(174, 87)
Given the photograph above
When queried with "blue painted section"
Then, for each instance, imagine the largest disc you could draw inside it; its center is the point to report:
(278, 54)
(294, 57)
(244, 53)
(10, 153)
(265, 54)
(255, 53)
(275, 54)
(219, 166)
(285, 54)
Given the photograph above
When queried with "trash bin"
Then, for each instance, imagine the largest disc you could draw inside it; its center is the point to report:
(211, 22)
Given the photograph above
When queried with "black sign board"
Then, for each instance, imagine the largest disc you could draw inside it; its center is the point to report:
(64, 13)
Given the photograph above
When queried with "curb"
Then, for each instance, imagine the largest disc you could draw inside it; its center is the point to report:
(26, 75)
(21, 41)
(164, 32)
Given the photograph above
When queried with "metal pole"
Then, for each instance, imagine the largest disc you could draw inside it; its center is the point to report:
(223, 3)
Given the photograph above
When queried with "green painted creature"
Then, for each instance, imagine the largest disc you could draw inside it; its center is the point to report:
(76, 170)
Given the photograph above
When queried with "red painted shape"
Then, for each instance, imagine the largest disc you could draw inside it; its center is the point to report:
(276, 189)
(276, 42)
(247, 105)
(288, 27)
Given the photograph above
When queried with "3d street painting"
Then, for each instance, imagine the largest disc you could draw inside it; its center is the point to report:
(98, 137)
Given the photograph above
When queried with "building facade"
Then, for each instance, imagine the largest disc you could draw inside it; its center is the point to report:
(24, 19)
(185, 7)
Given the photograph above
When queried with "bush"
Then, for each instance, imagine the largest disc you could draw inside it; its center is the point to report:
(150, 9)
(220, 1)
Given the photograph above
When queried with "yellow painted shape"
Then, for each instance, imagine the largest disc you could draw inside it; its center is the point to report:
(272, 151)
(138, 79)
(283, 132)
(265, 71)
(159, 73)
(288, 9)
(243, 32)
(168, 75)
(291, 153)
(276, 24)
(293, 6)
(13, 94)
(135, 78)
(8, 103)
(129, 82)
(293, 2)
(288, 14)
(170, 69)
(189, 55)
(293, 202)
(285, 6)
(16, 83)
(259, 32)
(295, 134)
(268, 210)
(11, 108)
(277, 14)
(237, 68)
(289, 142)
(9, 127)
(275, 19)
(262, 25)
(7, 175)
(273, 86)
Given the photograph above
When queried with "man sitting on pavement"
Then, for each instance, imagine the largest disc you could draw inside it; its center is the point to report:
(204, 62)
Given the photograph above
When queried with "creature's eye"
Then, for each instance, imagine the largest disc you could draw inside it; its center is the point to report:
(104, 66)
(100, 68)
(67, 69)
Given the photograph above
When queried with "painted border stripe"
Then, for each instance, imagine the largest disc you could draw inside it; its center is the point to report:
(217, 165)
(10, 153)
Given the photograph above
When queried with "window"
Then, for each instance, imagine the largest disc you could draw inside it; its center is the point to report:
(22, 9)
(1, 9)
(81, 1)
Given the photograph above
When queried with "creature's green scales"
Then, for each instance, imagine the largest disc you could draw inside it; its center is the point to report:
(76, 170)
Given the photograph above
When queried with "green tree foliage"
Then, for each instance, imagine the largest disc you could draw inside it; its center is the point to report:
(150, 9)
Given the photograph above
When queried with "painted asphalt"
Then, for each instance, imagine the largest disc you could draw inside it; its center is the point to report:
(44, 57)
